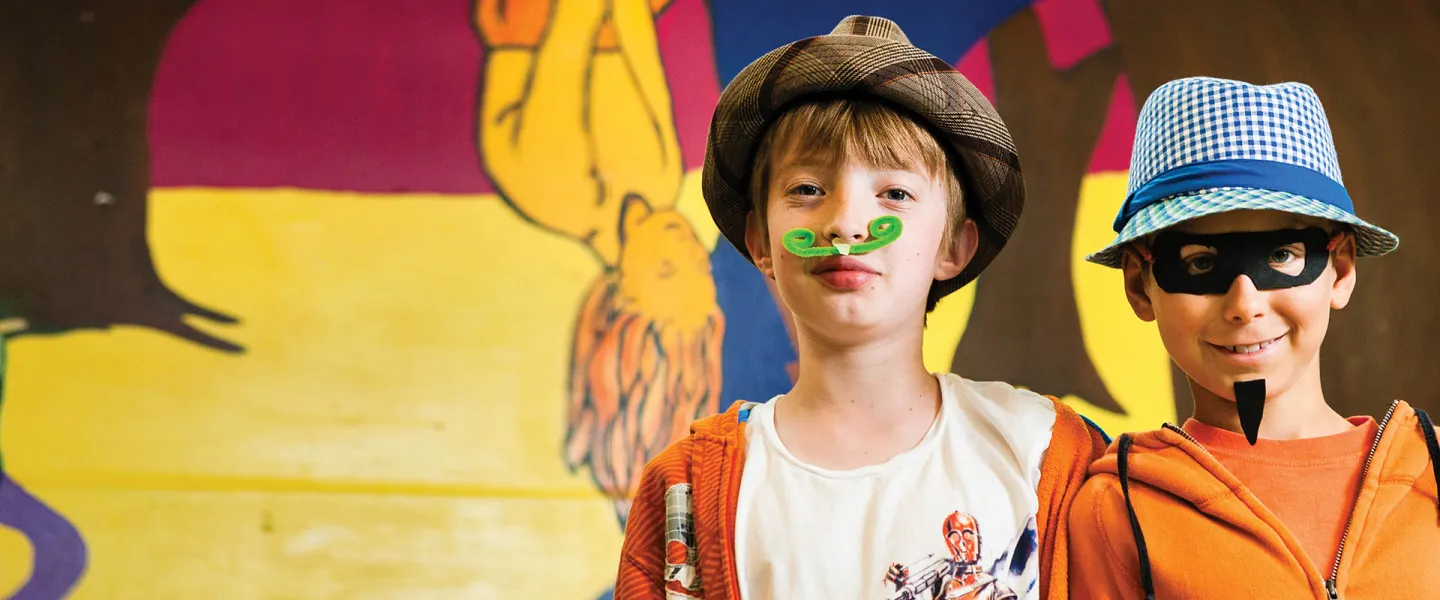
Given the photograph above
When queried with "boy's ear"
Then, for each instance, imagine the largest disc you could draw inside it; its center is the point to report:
(1136, 275)
(757, 242)
(1342, 259)
(951, 261)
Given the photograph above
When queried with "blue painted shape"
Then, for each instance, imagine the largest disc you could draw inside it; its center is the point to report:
(757, 347)
(747, 29)
(59, 552)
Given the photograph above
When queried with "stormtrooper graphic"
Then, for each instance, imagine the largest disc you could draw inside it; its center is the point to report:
(961, 575)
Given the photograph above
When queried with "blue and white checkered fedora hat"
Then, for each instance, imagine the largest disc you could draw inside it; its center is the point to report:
(1206, 145)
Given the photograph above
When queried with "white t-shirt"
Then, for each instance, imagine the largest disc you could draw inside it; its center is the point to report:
(954, 516)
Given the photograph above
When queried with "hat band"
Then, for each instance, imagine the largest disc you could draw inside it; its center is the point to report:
(1258, 174)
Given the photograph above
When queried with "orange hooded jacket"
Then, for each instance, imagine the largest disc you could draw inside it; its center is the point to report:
(680, 537)
(1161, 518)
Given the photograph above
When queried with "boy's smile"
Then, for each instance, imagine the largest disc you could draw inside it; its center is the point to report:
(1248, 355)
(1242, 334)
(1247, 350)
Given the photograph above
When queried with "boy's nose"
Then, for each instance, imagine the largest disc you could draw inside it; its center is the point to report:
(847, 233)
(849, 222)
(1243, 302)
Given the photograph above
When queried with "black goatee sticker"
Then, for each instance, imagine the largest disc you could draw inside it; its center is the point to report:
(1250, 404)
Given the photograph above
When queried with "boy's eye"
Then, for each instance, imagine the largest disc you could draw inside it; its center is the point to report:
(1197, 259)
(897, 195)
(1288, 259)
(805, 189)
(1199, 264)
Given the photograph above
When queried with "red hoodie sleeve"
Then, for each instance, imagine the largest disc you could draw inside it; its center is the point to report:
(1102, 562)
(1074, 444)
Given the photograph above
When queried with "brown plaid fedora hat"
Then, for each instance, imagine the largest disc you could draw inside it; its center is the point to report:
(872, 57)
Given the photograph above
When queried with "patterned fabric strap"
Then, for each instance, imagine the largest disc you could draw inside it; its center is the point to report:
(682, 562)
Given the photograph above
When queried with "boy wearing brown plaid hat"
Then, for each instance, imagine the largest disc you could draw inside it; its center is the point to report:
(868, 179)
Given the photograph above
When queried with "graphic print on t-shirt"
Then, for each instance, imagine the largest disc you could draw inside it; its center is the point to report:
(962, 575)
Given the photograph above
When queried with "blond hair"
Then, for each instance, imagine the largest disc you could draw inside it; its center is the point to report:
(868, 131)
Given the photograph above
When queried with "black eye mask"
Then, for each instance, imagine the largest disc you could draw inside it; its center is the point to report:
(1225, 256)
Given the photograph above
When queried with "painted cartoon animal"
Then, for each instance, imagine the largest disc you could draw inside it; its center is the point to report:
(577, 133)
(646, 354)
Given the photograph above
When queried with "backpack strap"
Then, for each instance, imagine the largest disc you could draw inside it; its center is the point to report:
(1428, 429)
(1146, 581)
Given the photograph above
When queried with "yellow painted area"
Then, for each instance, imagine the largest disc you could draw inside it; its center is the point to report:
(1126, 351)
(945, 326)
(305, 546)
(15, 557)
(398, 411)
(691, 203)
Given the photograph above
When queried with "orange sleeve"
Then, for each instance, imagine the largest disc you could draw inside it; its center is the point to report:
(642, 555)
(510, 24)
(1102, 561)
(1073, 446)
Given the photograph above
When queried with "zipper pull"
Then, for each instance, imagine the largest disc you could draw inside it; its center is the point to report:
(1330, 587)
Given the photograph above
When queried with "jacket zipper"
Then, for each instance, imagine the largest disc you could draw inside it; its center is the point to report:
(1330, 584)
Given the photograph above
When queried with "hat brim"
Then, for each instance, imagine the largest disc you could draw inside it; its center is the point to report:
(1369, 239)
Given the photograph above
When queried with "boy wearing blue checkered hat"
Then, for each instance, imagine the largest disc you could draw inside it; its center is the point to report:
(1237, 238)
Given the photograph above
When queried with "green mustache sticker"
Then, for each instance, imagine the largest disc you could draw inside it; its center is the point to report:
(883, 230)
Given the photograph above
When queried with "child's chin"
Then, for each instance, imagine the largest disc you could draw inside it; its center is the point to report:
(848, 319)
(1224, 387)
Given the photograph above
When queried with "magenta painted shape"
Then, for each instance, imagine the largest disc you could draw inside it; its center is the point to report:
(1073, 30)
(360, 95)
(687, 48)
(976, 67)
(1117, 138)
(366, 95)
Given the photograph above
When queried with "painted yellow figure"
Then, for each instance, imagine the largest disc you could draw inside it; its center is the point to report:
(577, 132)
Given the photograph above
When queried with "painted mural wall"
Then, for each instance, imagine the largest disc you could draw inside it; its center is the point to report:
(394, 298)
